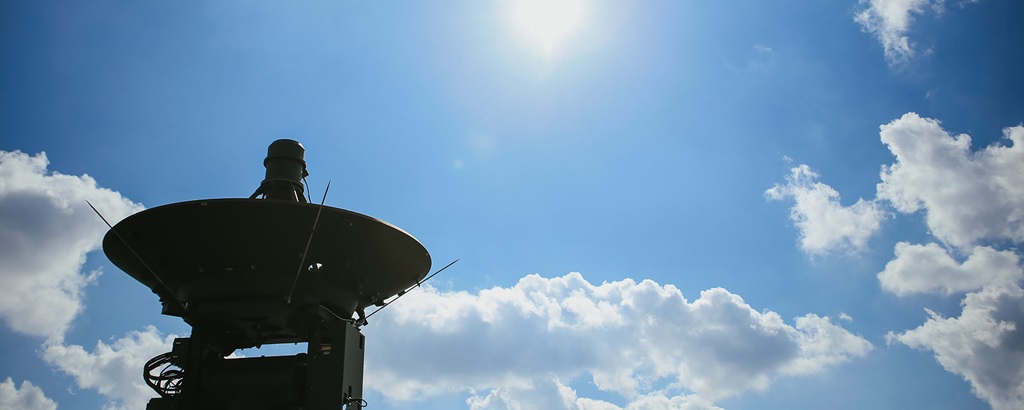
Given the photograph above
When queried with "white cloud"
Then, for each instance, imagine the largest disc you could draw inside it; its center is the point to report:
(930, 269)
(634, 339)
(114, 370)
(822, 344)
(889, 21)
(967, 196)
(46, 229)
(824, 223)
(983, 345)
(552, 394)
(28, 397)
(542, 394)
(661, 402)
(974, 204)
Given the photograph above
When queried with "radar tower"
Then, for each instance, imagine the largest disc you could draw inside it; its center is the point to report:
(268, 269)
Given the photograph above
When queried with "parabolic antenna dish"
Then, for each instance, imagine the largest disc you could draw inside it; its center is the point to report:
(268, 269)
(215, 250)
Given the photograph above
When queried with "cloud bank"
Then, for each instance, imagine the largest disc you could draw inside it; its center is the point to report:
(973, 202)
(46, 230)
(969, 197)
(643, 341)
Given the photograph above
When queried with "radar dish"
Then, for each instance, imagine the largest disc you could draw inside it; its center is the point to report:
(267, 269)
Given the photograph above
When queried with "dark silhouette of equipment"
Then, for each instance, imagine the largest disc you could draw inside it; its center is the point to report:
(268, 269)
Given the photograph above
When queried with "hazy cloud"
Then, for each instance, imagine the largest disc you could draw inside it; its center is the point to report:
(930, 269)
(27, 397)
(966, 196)
(552, 394)
(114, 370)
(46, 229)
(824, 223)
(889, 21)
(983, 345)
(661, 402)
(639, 340)
(541, 394)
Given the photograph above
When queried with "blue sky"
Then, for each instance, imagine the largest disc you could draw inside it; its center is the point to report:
(663, 204)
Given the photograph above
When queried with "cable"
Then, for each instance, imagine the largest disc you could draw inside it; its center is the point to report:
(166, 383)
(358, 401)
(309, 198)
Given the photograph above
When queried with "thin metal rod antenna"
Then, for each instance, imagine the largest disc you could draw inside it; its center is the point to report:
(143, 262)
(302, 263)
(402, 293)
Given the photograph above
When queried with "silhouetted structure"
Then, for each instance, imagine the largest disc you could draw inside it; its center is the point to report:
(269, 269)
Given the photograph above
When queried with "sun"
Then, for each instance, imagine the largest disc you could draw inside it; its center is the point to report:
(547, 22)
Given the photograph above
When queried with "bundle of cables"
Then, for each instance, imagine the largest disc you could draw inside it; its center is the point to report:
(163, 376)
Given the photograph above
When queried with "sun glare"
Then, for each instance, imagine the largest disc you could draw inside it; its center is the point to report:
(547, 22)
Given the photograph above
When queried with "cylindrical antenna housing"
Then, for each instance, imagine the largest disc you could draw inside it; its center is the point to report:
(286, 167)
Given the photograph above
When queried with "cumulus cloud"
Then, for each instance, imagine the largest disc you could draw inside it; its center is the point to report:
(973, 202)
(966, 196)
(46, 230)
(639, 340)
(930, 269)
(27, 397)
(114, 370)
(983, 345)
(969, 198)
(824, 223)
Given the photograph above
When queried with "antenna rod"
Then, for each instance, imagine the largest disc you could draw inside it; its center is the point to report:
(402, 293)
(143, 262)
(302, 262)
